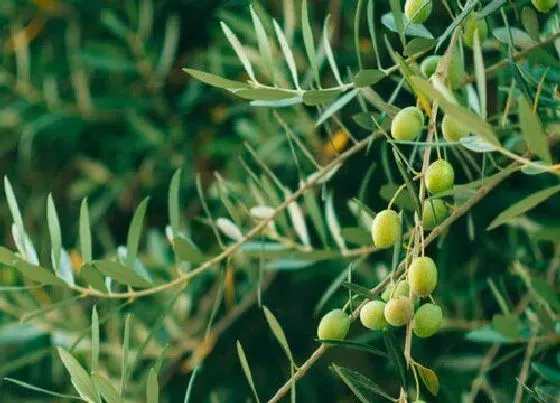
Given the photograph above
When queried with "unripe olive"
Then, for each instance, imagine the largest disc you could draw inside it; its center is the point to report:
(422, 276)
(453, 130)
(372, 315)
(402, 289)
(544, 6)
(334, 325)
(427, 320)
(473, 23)
(398, 311)
(408, 124)
(385, 229)
(434, 213)
(439, 176)
(412, 7)
(456, 71)
(429, 65)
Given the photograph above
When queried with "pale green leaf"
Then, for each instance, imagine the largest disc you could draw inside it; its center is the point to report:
(174, 202)
(85, 232)
(152, 387)
(429, 378)
(122, 274)
(419, 45)
(336, 106)
(263, 43)
(532, 130)
(365, 78)
(94, 338)
(278, 332)
(239, 50)
(54, 231)
(107, 390)
(308, 41)
(247, 370)
(186, 251)
(328, 50)
(79, 377)
(216, 81)
(125, 363)
(480, 74)
(134, 232)
(287, 51)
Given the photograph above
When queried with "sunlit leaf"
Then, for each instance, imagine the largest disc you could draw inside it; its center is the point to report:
(247, 370)
(278, 332)
(79, 377)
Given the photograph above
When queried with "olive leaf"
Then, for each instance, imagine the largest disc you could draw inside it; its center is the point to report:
(429, 378)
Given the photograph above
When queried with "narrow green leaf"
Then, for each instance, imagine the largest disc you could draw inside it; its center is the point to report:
(122, 274)
(94, 338)
(152, 387)
(360, 385)
(336, 106)
(487, 335)
(480, 74)
(429, 378)
(523, 206)
(13, 206)
(530, 21)
(308, 41)
(547, 372)
(238, 48)
(134, 232)
(546, 292)
(54, 231)
(477, 144)
(318, 97)
(41, 390)
(365, 78)
(247, 370)
(278, 332)
(356, 235)
(288, 55)
(419, 45)
(332, 222)
(93, 277)
(359, 290)
(186, 251)
(215, 80)
(174, 202)
(462, 115)
(79, 377)
(108, 391)
(36, 273)
(265, 94)
(354, 345)
(418, 30)
(125, 363)
(312, 207)
(85, 232)
(532, 130)
(263, 43)
(328, 50)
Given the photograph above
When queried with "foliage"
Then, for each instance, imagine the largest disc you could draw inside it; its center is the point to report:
(269, 183)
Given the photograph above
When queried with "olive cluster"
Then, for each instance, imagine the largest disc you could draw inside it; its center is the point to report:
(397, 308)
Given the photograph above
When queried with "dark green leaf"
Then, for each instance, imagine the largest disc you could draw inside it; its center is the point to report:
(547, 292)
(359, 384)
(278, 332)
(356, 235)
(247, 370)
(506, 325)
(134, 233)
(429, 378)
(396, 355)
(419, 45)
(523, 206)
(186, 251)
(265, 94)
(318, 97)
(532, 130)
(216, 81)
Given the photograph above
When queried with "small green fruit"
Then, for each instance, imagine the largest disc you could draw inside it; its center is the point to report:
(417, 11)
(422, 276)
(544, 6)
(385, 229)
(408, 124)
(334, 325)
(398, 311)
(372, 315)
(427, 320)
(473, 23)
(434, 213)
(429, 65)
(402, 289)
(453, 130)
(439, 176)
(456, 71)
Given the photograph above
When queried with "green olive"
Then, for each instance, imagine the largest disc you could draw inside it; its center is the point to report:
(473, 23)
(453, 130)
(427, 320)
(408, 123)
(429, 65)
(372, 315)
(398, 311)
(456, 71)
(422, 276)
(439, 176)
(402, 289)
(385, 229)
(334, 325)
(544, 6)
(434, 213)
(417, 11)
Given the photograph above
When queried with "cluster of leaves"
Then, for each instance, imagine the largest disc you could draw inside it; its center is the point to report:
(253, 224)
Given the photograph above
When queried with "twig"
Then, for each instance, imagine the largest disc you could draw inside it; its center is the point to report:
(524, 370)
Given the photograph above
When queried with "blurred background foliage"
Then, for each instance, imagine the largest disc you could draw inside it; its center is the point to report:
(94, 103)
